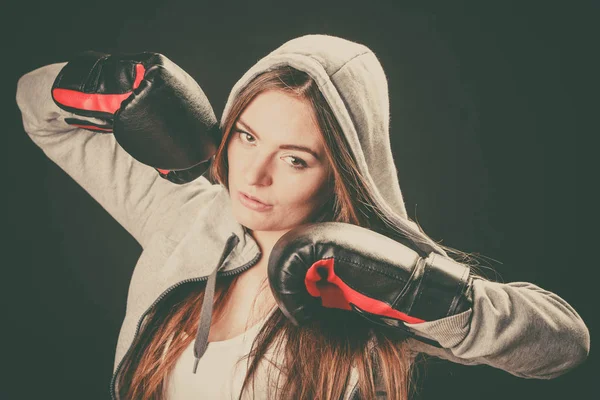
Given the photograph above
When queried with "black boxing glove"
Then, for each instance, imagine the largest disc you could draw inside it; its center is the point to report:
(156, 111)
(344, 266)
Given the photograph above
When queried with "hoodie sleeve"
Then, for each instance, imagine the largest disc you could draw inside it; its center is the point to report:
(131, 192)
(517, 327)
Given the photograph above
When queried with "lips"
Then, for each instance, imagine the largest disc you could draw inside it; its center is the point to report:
(255, 199)
(252, 204)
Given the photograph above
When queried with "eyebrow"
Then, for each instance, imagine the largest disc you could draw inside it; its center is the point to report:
(285, 146)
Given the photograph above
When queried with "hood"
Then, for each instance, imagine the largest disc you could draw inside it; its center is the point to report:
(354, 84)
(352, 81)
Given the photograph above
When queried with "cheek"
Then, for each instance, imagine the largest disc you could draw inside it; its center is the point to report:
(303, 190)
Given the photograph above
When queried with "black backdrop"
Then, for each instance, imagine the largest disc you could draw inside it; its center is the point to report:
(489, 105)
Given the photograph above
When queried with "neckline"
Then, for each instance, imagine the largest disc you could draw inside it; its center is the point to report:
(237, 338)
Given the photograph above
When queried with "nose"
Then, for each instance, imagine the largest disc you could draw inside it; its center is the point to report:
(258, 170)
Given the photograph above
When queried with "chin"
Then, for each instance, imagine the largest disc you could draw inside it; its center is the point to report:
(259, 223)
(256, 222)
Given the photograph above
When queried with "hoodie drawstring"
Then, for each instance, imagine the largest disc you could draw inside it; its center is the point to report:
(201, 342)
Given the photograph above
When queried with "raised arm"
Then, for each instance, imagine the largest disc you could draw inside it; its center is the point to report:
(134, 193)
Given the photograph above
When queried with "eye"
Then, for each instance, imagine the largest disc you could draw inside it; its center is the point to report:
(298, 163)
(244, 136)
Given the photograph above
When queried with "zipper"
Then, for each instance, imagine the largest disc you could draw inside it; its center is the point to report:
(238, 270)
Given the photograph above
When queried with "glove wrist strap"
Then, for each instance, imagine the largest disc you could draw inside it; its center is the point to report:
(443, 289)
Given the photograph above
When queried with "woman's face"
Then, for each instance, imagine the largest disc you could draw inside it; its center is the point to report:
(266, 162)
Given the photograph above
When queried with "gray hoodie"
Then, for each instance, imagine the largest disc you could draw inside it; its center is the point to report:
(183, 229)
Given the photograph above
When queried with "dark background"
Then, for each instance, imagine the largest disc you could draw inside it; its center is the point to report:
(491, 121)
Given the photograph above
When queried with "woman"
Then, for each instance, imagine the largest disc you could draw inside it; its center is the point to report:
(328, 95)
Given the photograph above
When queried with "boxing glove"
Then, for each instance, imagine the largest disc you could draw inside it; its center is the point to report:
(344, 266)
(157, 112)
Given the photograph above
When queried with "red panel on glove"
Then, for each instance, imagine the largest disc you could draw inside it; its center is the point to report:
(108, 103)
(334, 293)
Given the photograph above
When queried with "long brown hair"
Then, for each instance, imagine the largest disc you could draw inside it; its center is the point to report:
(318, 357)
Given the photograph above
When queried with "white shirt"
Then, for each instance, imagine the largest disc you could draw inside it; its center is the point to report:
(217, 377)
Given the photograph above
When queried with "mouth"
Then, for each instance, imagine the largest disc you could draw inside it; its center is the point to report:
(253, 203)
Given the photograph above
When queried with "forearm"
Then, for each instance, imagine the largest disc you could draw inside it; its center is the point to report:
(518, 327)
